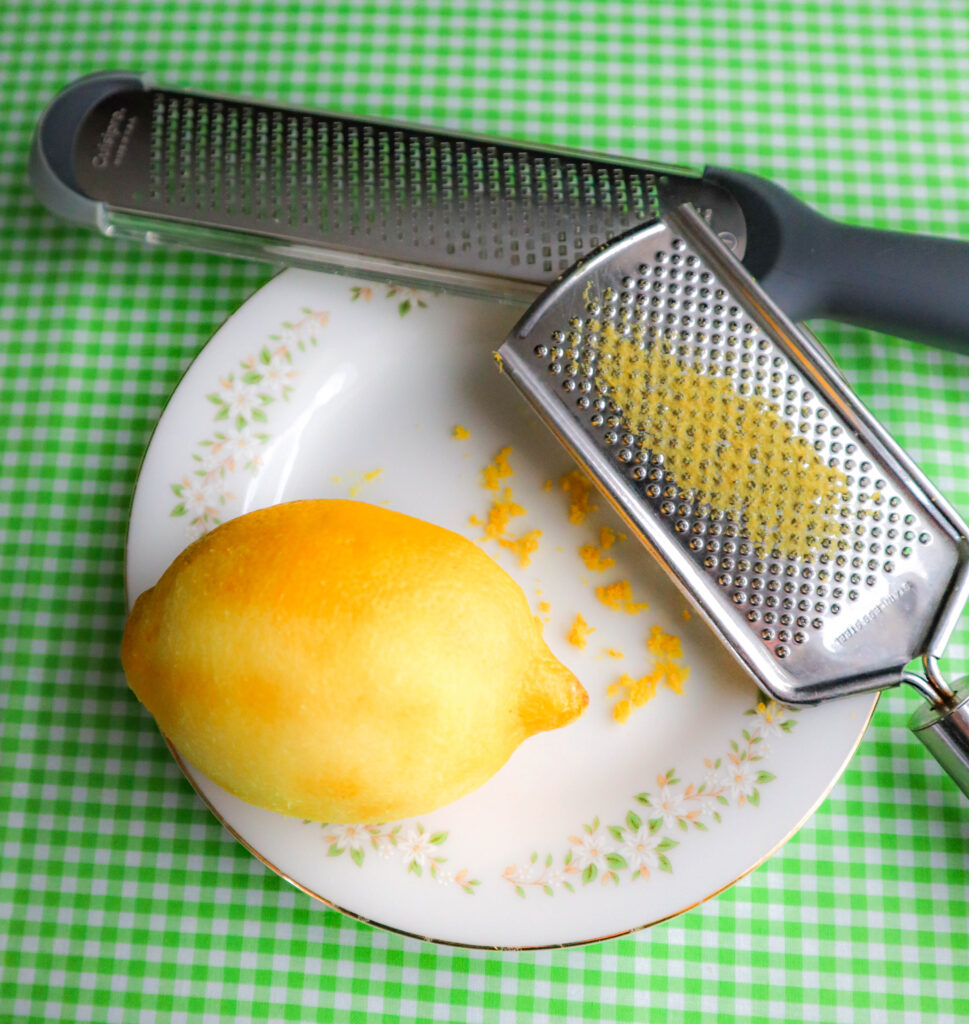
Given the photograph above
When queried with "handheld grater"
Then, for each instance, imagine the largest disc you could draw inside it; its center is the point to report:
(880, 589)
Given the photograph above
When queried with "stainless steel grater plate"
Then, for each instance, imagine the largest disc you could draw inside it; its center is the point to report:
(850, 617)
(349, 194)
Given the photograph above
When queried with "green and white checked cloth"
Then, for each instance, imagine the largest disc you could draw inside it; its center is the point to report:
(122, 898)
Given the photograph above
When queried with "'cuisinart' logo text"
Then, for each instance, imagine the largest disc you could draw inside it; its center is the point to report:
(886, 602)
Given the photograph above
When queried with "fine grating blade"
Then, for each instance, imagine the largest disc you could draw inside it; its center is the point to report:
(828, 609)
(355, 194)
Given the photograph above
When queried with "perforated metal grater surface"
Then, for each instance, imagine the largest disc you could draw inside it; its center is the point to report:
(854, 613)
(363, 195)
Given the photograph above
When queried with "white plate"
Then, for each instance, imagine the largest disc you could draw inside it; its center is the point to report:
(315, 383)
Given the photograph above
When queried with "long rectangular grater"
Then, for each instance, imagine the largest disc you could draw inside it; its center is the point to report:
(346, 194)
(883, 581)
(402, 203)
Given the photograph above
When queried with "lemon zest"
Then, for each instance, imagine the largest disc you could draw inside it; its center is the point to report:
(737, 453)
(503, 509)
(579, 633)
(491, 476)
(643, 690)
(364, 478)
(622, 711)
(667, 651)
(618, 596)
(524, 546)
(675, 676)
(594, 560)
(578, 487)
(663, 645)
(608, 537)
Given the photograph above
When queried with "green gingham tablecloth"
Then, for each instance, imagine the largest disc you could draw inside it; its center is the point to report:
(122, 898)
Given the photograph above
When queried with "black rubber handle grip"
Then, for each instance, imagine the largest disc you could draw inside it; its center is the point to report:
(907, 285)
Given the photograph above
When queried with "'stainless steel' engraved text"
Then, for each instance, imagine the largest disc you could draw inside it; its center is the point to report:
(870, 616)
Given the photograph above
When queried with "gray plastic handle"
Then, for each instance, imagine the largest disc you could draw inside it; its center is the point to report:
(944, 730)
(907, 285)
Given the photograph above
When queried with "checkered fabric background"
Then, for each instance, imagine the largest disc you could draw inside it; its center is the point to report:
(121, 898)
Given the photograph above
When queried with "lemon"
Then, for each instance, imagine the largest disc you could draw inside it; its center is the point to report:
(341, 662)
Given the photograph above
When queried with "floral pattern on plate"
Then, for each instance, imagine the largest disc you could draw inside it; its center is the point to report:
(406, 298)
(411, 844)
(642, 843)
(242, 402)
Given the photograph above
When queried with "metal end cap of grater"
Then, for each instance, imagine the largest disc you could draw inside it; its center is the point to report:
(823, 610)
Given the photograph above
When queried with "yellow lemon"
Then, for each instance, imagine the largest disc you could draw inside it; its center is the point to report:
(344, 663)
